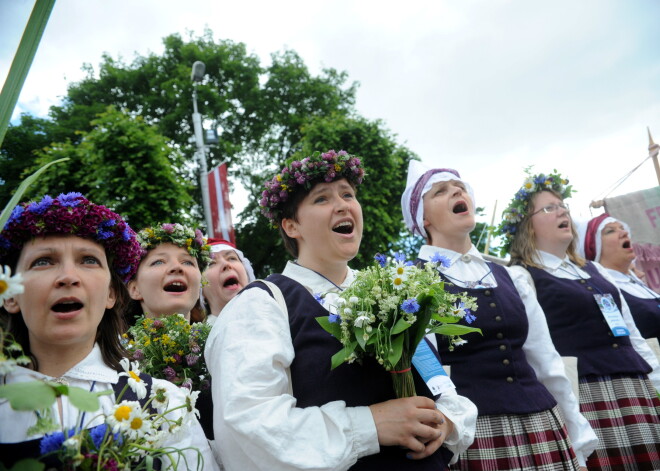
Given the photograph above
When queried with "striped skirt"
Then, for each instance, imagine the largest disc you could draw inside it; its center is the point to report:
(535, 441)
(624, 412)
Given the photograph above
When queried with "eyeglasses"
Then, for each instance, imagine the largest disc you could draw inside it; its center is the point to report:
(551, 208)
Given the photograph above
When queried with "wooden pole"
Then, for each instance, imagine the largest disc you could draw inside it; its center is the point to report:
(653, 153)
(492, 220)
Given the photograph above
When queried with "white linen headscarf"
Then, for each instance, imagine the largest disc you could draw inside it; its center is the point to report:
(590, 244)
(420, 181)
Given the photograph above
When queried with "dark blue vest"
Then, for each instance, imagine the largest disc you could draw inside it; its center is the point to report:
(492, 369)
(646, 313)
(315, 384)
(577, 325)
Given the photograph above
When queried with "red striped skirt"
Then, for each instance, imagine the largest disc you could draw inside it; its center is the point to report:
(535, 441)
(624, 411)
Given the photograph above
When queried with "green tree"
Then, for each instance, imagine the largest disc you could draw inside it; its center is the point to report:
(18, 152)
(386, 163)
(123, 163)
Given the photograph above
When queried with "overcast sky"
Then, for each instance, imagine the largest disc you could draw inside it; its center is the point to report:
(487, 87)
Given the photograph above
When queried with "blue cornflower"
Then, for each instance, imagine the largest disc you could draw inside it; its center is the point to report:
(16, 214)
(469, 317)
(410, 306)
(399, 257)
(441, 260)
(318, 298)
(381, 259)
(4, 243)
(539, 179)
(126, 235)
(41, 206)
(98, 434)
(102, 233)
(53, 441)
(70, 199)
(334, 318)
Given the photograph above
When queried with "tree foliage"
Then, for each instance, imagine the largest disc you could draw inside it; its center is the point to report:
(123, 163)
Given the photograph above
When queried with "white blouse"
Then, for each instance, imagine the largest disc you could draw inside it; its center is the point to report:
(538, 347)
(256, 422)
(564, 268)
(631, 284)
(92, 370)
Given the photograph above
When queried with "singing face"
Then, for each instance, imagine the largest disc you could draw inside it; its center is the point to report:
(67, 289)
(448, 210)
(551, 222)
(616, 247)
(226, 276)
(167, 282)
(329, 224)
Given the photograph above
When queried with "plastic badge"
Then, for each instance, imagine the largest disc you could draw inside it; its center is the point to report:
(428, 365)
(612, 314)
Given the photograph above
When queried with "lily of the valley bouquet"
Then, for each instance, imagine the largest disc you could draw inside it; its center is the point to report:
(171, 348)
(388, 310)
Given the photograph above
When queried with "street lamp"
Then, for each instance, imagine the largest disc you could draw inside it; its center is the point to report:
(196, 76)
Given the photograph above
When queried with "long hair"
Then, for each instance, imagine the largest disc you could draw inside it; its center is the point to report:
(523, 246)
(108, 332)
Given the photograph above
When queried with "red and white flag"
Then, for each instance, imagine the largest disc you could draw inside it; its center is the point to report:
(220, 205)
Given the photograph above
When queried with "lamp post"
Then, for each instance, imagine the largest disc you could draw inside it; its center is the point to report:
(196, 76)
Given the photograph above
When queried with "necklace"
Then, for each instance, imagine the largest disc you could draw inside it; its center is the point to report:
(479, 284)
(646, 288)
(322, 276)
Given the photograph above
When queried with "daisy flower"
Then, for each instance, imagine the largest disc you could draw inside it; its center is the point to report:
(139, 424)
(159, 397)
(191, 400)
(122, 413)
(9, 285)
(133, 374)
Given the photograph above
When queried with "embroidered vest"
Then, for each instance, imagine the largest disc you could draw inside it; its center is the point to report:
(315, 384)
(577, 325)
(491, 369)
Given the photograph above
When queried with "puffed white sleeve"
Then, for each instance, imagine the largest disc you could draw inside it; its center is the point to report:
(463, 414)
(197, 453)
(256, 422)
(549, 368)
(636, 339)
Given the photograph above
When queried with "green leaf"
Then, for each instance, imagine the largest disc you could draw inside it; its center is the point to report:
(84, 400)
(21, 189)
(342, 355)
(400, 326)
(359, 336)
(330, 327)
(397, 349)
(28, 464)
(453, 329)
(28, 396)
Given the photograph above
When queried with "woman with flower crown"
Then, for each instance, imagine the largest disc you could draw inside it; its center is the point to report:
(588, 319)
(278, 405)
(606, 240)
(169, 277)
(512, 373)
(74, 257)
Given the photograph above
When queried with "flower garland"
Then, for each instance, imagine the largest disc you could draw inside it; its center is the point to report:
(516, 212)
(325, 167)
(182, 236)
(72, 213)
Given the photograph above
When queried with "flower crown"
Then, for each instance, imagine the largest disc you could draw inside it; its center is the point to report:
(182, 236)
(73, 214)
(304, 173)
(516, 212)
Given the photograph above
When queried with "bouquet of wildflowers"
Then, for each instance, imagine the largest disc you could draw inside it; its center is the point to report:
(389, 309)
(171, 348)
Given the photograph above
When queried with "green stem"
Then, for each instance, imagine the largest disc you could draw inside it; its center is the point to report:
(402, 377)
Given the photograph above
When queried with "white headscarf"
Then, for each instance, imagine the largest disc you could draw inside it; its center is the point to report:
(222, 245)
(420, 180)
(590, 234)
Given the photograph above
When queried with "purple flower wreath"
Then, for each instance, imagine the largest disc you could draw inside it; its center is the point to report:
(73, 214)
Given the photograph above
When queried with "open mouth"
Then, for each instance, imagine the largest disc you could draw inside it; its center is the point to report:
(563, 225)
(460, 207)
(230, 282)
(626, 244)
(175, 287)
(345, 227)
(67, 306)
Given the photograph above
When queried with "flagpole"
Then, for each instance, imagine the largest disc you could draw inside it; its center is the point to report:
(653, 153)
(492, 221)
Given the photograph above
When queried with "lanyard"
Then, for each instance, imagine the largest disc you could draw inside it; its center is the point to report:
(646, 288)
(579, 277)
(471, 284)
